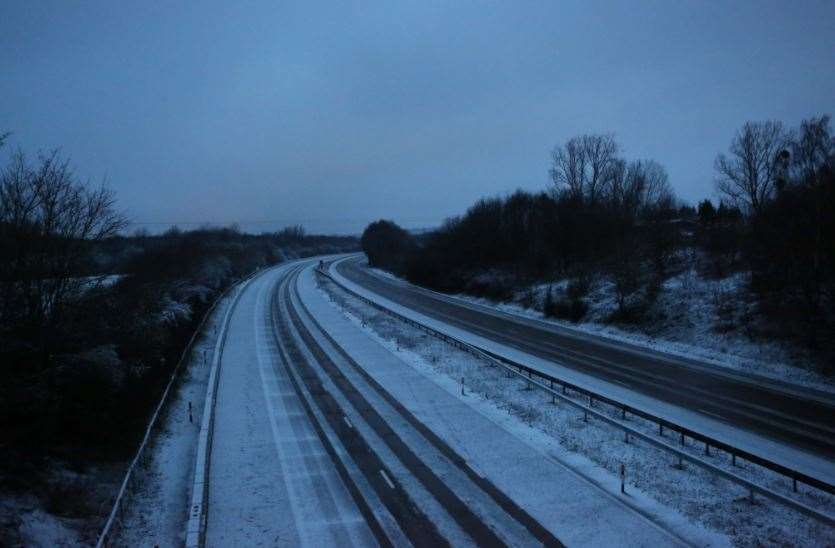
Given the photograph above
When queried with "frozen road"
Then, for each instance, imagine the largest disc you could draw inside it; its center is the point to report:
(271, 481)
(789, 415)
(321, 438)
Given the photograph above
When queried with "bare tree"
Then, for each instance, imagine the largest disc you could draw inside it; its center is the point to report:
(638, 186)
(748, 175)
(48, 221)
(813, 148)
(583, 165)
(655, 185)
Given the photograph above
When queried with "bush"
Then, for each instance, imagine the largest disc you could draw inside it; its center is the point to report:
(571, 309)
(493, 285)
(387, 246)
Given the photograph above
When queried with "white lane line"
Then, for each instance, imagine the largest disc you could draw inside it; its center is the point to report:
(385, 477)
(347, 421)
(714, 415)
(266, 373)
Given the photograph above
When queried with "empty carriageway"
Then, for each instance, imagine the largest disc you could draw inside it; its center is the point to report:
(271, 479)
(310, 449)
(461, 507)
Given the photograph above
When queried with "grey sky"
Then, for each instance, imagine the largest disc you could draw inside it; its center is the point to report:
(332, 115)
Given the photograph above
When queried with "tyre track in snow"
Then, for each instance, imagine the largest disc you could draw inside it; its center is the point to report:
(419, 530)
(272, 478)
(482, 510)
(794, 417)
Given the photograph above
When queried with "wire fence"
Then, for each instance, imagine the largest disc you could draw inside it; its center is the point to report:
(140, 460)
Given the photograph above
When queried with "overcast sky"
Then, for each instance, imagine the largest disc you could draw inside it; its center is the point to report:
(332, 115)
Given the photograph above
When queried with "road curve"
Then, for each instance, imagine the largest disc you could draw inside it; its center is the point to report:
(793, 415)
(302, 456)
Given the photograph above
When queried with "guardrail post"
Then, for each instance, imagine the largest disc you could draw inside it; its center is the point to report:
(623, 413)
(462, 386)
(626, 437)
(553, 398)
(622, 478)
(511, 367)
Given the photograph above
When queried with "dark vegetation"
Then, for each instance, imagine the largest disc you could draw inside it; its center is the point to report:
(387, 245)
(607, 218)
(92, 322)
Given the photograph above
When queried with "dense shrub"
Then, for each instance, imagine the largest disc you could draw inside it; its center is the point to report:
(571, 308)
(619, 221)
(387, 246)
(115, 346)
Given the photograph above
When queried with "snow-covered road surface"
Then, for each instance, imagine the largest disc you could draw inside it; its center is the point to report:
(271, 481)
(572, 508)
(718, 426)
(323, 437)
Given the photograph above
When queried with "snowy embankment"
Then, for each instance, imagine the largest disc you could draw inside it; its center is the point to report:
(595, 450)
(693, 419)
(158, 510)
(706, 319)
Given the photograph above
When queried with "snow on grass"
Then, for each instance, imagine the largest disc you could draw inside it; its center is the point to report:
(706, 319)
(173, 312)
(41, 529)
(158, 511)
(64, 507)
(697, 494)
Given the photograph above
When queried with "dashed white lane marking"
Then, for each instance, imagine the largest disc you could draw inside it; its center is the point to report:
(714, 415)
(386, 477)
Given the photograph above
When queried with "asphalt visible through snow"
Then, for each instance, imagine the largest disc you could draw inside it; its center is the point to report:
(798, 418)
(288, 466)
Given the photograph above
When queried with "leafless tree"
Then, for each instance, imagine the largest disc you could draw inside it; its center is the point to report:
(748, 175)
(48, 221)
(638, 186)
(583, 165)
(813, 148)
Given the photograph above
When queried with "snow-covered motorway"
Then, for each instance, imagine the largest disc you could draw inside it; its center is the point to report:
(790, 424)
(271, 481)
(322, 437)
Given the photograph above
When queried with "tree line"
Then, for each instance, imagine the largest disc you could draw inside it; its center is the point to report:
(618, 219)
(93, 320)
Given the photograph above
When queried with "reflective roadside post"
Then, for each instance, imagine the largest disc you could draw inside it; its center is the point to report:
(622, 478)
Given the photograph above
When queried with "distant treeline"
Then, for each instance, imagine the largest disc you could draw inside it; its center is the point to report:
(608, 217)
(92, 321)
